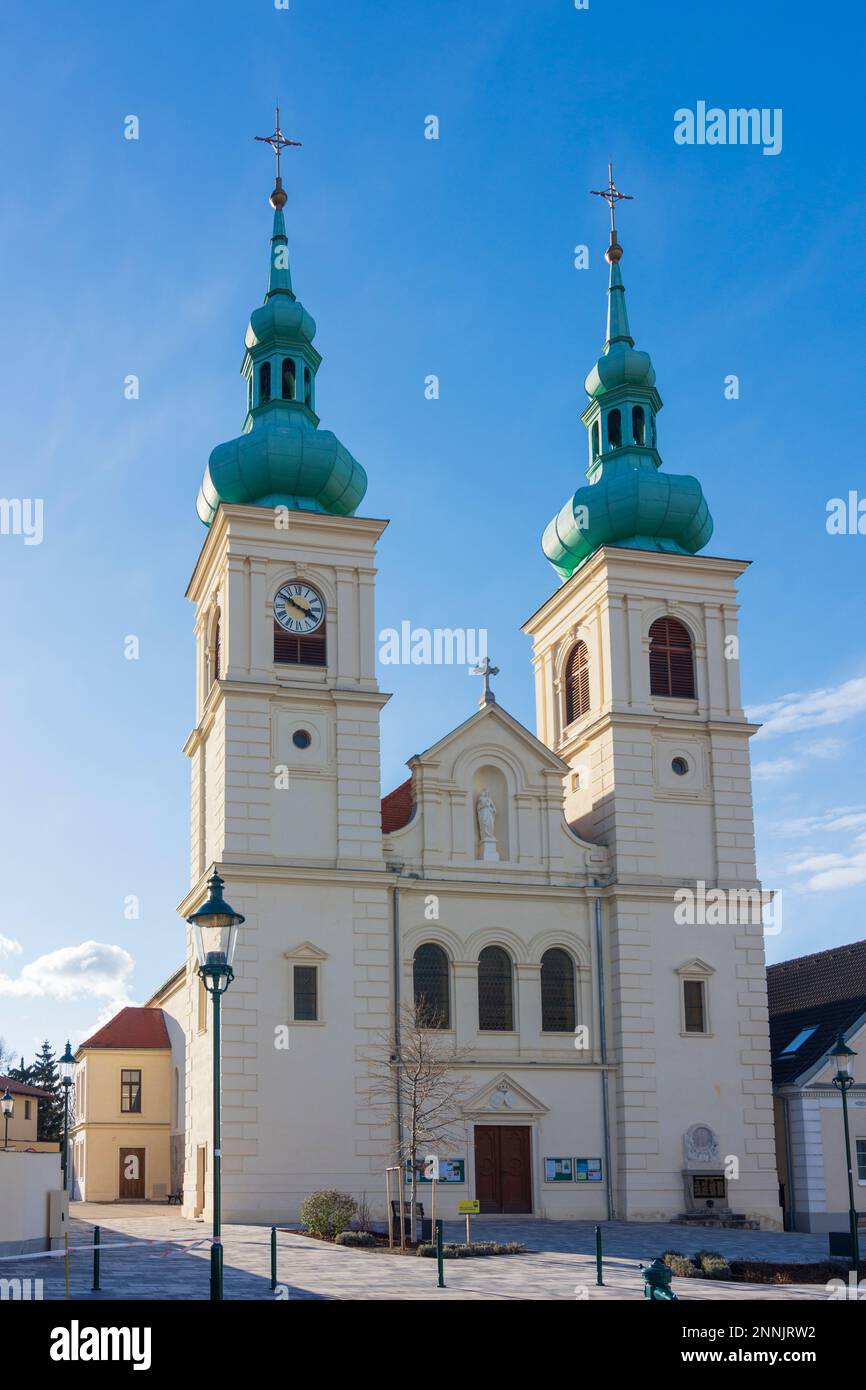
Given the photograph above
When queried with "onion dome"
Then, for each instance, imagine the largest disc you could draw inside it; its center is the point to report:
(628, 501)
(281, 457)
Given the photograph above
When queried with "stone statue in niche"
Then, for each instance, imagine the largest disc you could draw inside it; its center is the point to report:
(485, 811)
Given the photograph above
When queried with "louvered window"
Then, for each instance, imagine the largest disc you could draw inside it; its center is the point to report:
(557, 992)
(495, 1002)
(288, 383)
(307, 650)
(430, 983)
(577, 683)
(215, 655)
(672, 665)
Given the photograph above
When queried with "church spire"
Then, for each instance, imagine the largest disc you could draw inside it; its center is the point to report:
(628, 501)
(281, 457)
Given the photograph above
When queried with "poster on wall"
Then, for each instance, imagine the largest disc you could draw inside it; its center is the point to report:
(587, 1169)
(450, 1170)
(558, 1170)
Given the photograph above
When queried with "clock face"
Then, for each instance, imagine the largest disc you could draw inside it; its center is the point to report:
(298, 608)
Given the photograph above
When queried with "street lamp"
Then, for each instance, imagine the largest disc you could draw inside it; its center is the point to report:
(7, 1105)
(843, 1081)
(67, 1066)
(215, 926)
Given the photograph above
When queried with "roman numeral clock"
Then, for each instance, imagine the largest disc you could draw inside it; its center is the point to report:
(298, 609)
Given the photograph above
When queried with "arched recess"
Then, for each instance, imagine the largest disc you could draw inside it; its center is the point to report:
(431, 985)
(495, 990)
(489, 783)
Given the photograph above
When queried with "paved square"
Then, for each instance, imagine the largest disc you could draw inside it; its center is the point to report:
(560, 1263)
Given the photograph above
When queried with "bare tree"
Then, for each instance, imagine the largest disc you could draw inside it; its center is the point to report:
(414, 1090)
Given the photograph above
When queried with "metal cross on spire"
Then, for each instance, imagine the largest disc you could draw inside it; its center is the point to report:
(278, 143)
(612, 196)
(486, 670)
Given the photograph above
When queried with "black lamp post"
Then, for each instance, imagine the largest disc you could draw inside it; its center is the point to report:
(843, 1081)
(67, 1066)
(7, 1104)
(215, 925)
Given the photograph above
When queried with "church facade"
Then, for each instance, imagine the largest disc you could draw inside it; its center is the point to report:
(614, 1058)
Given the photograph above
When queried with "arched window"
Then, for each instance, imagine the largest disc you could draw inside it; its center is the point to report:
(638, 424)
(288, 383)
(495, 1001)
(614, 429)
(596, 440)
(557, 992)
(577, 683)
(430, 983)
(264, 382)
(215, 653)
(672, 666)
(308, 387)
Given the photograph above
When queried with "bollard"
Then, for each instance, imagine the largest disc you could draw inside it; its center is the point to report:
(97, 1239)
(439, 1260)
(273, 1257)
(598, 1279)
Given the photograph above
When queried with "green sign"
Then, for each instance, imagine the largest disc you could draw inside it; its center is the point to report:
(450, 1170)
(587, 1170)
(558, 1170)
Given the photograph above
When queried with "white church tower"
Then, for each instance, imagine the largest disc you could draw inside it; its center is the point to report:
(636, 661)
(286, 784)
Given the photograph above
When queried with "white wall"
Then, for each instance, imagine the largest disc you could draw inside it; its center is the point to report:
(25, 1182)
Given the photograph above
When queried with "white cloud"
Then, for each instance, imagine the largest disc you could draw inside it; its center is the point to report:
(797, 712)
(8, 947)
(774, 767)
(75, 972)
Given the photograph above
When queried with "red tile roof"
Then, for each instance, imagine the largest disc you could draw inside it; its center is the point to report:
(137, 1028)
(397, 807)
(20, 1088)
(824, 978)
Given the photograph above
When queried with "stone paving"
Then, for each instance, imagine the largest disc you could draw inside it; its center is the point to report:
(560, 1263)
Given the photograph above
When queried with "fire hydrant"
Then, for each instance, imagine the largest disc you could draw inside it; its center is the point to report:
(657, 1281)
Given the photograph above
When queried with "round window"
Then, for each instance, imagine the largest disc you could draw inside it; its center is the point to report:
(301, 739)
(680, 766)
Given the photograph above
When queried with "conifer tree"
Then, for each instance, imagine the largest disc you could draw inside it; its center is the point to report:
(44, 1073)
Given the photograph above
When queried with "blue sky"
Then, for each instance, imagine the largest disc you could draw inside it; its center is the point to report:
(452, 257)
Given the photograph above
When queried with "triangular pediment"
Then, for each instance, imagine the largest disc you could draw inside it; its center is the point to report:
(695, 966)
(306, 951)
(492, 721)
(503, 1096)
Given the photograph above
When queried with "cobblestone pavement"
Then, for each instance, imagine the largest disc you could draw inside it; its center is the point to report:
(560, 1263)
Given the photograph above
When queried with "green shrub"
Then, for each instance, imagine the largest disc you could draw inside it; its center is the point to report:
(713, 1265)
(479, 1248)
(327, 1212)
(355, 1238)
(682, 1266)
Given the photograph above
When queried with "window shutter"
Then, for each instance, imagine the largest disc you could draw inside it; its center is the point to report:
(307, 650)
(577, 683)
(672, 665)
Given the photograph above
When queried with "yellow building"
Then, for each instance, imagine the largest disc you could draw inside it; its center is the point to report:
(23, 1125)
(123, 1106)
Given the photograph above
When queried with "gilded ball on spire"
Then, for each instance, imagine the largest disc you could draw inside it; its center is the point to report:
(613, 254)
(279, 197)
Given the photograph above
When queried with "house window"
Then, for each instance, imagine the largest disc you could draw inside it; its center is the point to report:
(264, 383)
(557, 992)
(861, 1160)
(672, 666)
(288, 383)
(495, 995)
(577, 683)
(638, 425)
(430, 985)
(27, 1109)
(305, 993)
(130, 1092)
(694, 1006)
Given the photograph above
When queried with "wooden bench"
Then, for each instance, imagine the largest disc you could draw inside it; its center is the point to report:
(423, 1225)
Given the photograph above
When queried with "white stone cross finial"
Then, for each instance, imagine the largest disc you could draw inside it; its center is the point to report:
(486, 670)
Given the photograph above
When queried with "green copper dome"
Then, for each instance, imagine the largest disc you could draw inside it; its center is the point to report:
(627, 502)
(282, 458)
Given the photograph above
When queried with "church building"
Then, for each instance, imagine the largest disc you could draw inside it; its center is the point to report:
(614, 1058)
